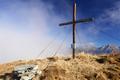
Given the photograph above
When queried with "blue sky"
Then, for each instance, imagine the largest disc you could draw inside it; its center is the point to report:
(27, 26)
(105, 12)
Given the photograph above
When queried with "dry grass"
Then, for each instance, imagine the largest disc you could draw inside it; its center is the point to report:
(83, 67)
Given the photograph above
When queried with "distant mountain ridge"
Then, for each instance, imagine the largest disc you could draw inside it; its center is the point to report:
(109, 48)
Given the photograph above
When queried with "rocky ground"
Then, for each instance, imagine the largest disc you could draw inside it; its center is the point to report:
(83, 67)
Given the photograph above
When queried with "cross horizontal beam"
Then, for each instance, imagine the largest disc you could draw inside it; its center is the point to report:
(78, 21)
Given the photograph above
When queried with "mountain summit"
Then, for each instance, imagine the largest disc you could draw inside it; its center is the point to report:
(83, 67)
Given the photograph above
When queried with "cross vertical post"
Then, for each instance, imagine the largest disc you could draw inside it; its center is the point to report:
(74, 28)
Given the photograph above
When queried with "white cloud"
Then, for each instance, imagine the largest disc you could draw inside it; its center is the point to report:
(106, 21)
(25, 28)
(111, 15)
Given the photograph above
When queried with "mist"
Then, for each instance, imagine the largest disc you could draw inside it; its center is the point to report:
(26, 29)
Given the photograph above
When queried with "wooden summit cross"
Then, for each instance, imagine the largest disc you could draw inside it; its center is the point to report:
(74, 22)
